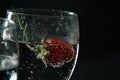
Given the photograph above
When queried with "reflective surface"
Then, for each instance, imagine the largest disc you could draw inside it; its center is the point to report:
(9, 52)
(35, 26)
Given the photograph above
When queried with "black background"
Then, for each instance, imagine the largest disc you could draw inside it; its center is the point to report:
(99, 57)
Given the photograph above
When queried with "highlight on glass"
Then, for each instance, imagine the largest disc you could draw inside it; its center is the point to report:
(9, 51)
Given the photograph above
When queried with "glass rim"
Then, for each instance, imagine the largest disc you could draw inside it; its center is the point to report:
(69, 13)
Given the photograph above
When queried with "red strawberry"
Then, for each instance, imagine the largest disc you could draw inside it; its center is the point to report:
(59, 52)
(55, 52)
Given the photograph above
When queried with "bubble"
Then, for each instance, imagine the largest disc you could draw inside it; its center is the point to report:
(34, 66)
(31, 72)
(26, 61)
(29, 78)
(28, 67)
(21, 68)
(31, 64)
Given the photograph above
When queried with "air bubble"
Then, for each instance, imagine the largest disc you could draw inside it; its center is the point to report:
(21, 68)
(34, 66)
(28, 67)
(26, 61)
(29, 78)
(31, 72)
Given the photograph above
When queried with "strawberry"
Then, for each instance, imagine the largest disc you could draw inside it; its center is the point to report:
(56, 52)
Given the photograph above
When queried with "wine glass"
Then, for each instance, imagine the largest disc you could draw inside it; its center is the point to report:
(9, 51)
(49, 42)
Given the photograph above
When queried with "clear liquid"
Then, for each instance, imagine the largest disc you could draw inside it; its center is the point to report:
(8, 67)
(32, 68)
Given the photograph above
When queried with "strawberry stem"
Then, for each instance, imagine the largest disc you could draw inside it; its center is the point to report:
(40, 49)
(24, 33)
(21, 28)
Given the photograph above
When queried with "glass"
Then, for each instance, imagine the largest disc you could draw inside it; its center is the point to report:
(49, 43)
(9, 51)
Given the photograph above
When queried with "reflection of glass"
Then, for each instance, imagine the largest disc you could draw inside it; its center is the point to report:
(9, 57)
(35, 26)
